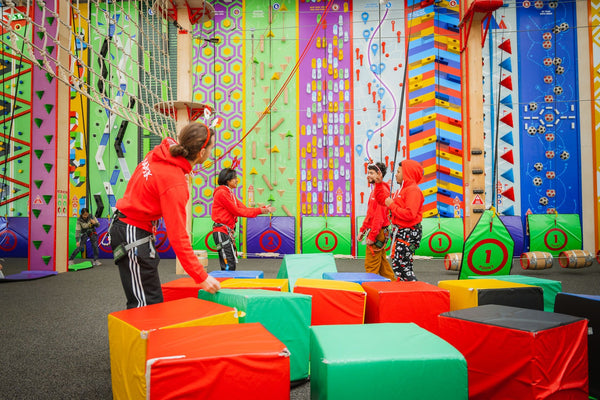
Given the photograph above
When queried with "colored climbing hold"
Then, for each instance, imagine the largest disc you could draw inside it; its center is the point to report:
(38, 183)
(47, 198)
(38, 153)
(48, 167)
(47, 227)
(49, 108)
(37, 244)
(39, 93)
(48, 138)
(46, 259)
(38, 122)
(36, 212)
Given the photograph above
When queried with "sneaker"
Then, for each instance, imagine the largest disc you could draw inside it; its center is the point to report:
(96, 263)
(71, 262)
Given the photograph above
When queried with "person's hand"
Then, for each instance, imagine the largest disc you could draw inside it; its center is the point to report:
(267, 210)
(76, 244)
(211, 285)
(370, 242)
(388, 201)
(361, 236)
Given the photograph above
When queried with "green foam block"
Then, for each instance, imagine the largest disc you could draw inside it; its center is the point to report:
(286, 315)
(310, 266)
(81, 265)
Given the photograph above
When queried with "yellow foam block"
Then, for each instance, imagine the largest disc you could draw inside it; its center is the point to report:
(281, 285)
(466, 294)
(128, 333)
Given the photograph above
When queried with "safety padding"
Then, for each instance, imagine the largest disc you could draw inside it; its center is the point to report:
(238, 274)
(384, 361)
(311, 266)
(417, 302)
(334, 302)
(180, 289)
(242, 361)
(550, 288)
(128, 333)
(279, 285)
(520, 352)
(286, 315)
(585, 306)
(476, 292)
(357, 277)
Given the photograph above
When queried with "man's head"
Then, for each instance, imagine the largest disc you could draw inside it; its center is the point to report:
(228, 177)
(376, 172)
(410, 171)
(85, 213)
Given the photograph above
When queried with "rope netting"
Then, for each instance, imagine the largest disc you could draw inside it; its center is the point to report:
(134, 48)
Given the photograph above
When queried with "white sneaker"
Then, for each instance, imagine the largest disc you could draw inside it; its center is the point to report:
(71, 262)
(96, 263)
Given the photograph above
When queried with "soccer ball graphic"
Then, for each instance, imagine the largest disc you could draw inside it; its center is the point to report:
(558, 90)
(550, 154)
(556, 29)
(548, 79)
(564, 155)
(544, 201)
(532, 130)
(560, 70)
(564, 26)
(538, 166)
(547, 36)
(537, 181)
(550, 137)
(557, 61)
(547, 61)
(533, 106)
(553, 4)
(541, 129)
(550, 174)
(550, 192)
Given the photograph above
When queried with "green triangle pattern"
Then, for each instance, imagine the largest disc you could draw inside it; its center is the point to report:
(47, 228)
(49, 77)
(50, 49)
(38, 121)
(47, 197)
(48, 138)
(40, 93)
(38, 183)
(36, 212)
(38, 153)
(41, 62)
(40, 34)
(48, 166)
(49, 108)
(46, 259)
(50, 20)
(37, 244)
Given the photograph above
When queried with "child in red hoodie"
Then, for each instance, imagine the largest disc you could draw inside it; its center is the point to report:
(226, 209)
(406, 206)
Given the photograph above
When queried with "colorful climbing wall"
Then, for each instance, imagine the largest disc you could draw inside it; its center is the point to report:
(595, 78)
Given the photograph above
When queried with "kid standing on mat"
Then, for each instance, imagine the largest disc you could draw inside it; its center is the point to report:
(226, 209)
(406, 207)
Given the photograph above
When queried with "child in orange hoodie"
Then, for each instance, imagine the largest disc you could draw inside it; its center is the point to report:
(406, 206)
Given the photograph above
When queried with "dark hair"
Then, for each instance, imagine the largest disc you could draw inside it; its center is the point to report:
(226, 175)
(378, 167)
(192, 138)
(83, 210)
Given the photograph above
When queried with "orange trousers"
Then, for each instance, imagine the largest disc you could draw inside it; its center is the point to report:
(376, 260)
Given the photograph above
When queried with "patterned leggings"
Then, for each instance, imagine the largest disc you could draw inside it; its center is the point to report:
(407, 240)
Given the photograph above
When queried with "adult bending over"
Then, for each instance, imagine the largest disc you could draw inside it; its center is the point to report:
(159, 188)
(225, 212)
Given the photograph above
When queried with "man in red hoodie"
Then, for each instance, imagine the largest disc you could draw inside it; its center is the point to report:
(406, 206)
(374, 227)
(226, 209)
(159, 188)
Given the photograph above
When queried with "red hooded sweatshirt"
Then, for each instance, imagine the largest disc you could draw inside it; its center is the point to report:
(407, 208)
(159, 188)
(227, 208)
(377, 215)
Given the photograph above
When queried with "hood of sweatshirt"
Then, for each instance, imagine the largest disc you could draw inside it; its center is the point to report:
(412, 172)
(161, 153)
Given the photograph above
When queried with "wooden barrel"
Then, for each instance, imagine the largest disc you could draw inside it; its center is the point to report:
(202, 257)
(536, 260)
(575, 258)
(452, 261)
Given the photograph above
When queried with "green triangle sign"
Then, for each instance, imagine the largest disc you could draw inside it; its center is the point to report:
(38, 121)
(46, 259)
(50, 20)
(47, 197)
(40, 93)
(50, 49)
(37, 244)
(40, 34)
(41, 62)
(49, 108)
(48, 138)
(47, 228)
(38, 153)
(48, 166)
(36, 212)
(49, 77)
(38, 183)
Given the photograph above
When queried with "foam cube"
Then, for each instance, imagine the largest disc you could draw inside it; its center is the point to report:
(311, 266)
(467, 293)
(520, 353)
(286, 315)
(384, 361)
(280, 285)
(549, 287)
(242, 361)
(180, 288)
(333, 302)
(128, 332)
(357, 277)
(418, 302)
(585, 306)
(237, 274)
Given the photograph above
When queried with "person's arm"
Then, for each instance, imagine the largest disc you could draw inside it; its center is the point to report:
(248, 212)
(78, 229)
(409, 210)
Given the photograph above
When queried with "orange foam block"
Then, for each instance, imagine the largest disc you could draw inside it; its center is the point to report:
(279, 285)
(333, 302)
(242, 361)
(418, 302)
(180, 288)
(128, 332)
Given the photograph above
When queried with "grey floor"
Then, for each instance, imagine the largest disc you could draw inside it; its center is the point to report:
(54, 337)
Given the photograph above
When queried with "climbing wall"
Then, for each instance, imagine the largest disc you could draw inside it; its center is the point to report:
(113, 142)
(548, 93)
(595, 68)
(501, 108)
